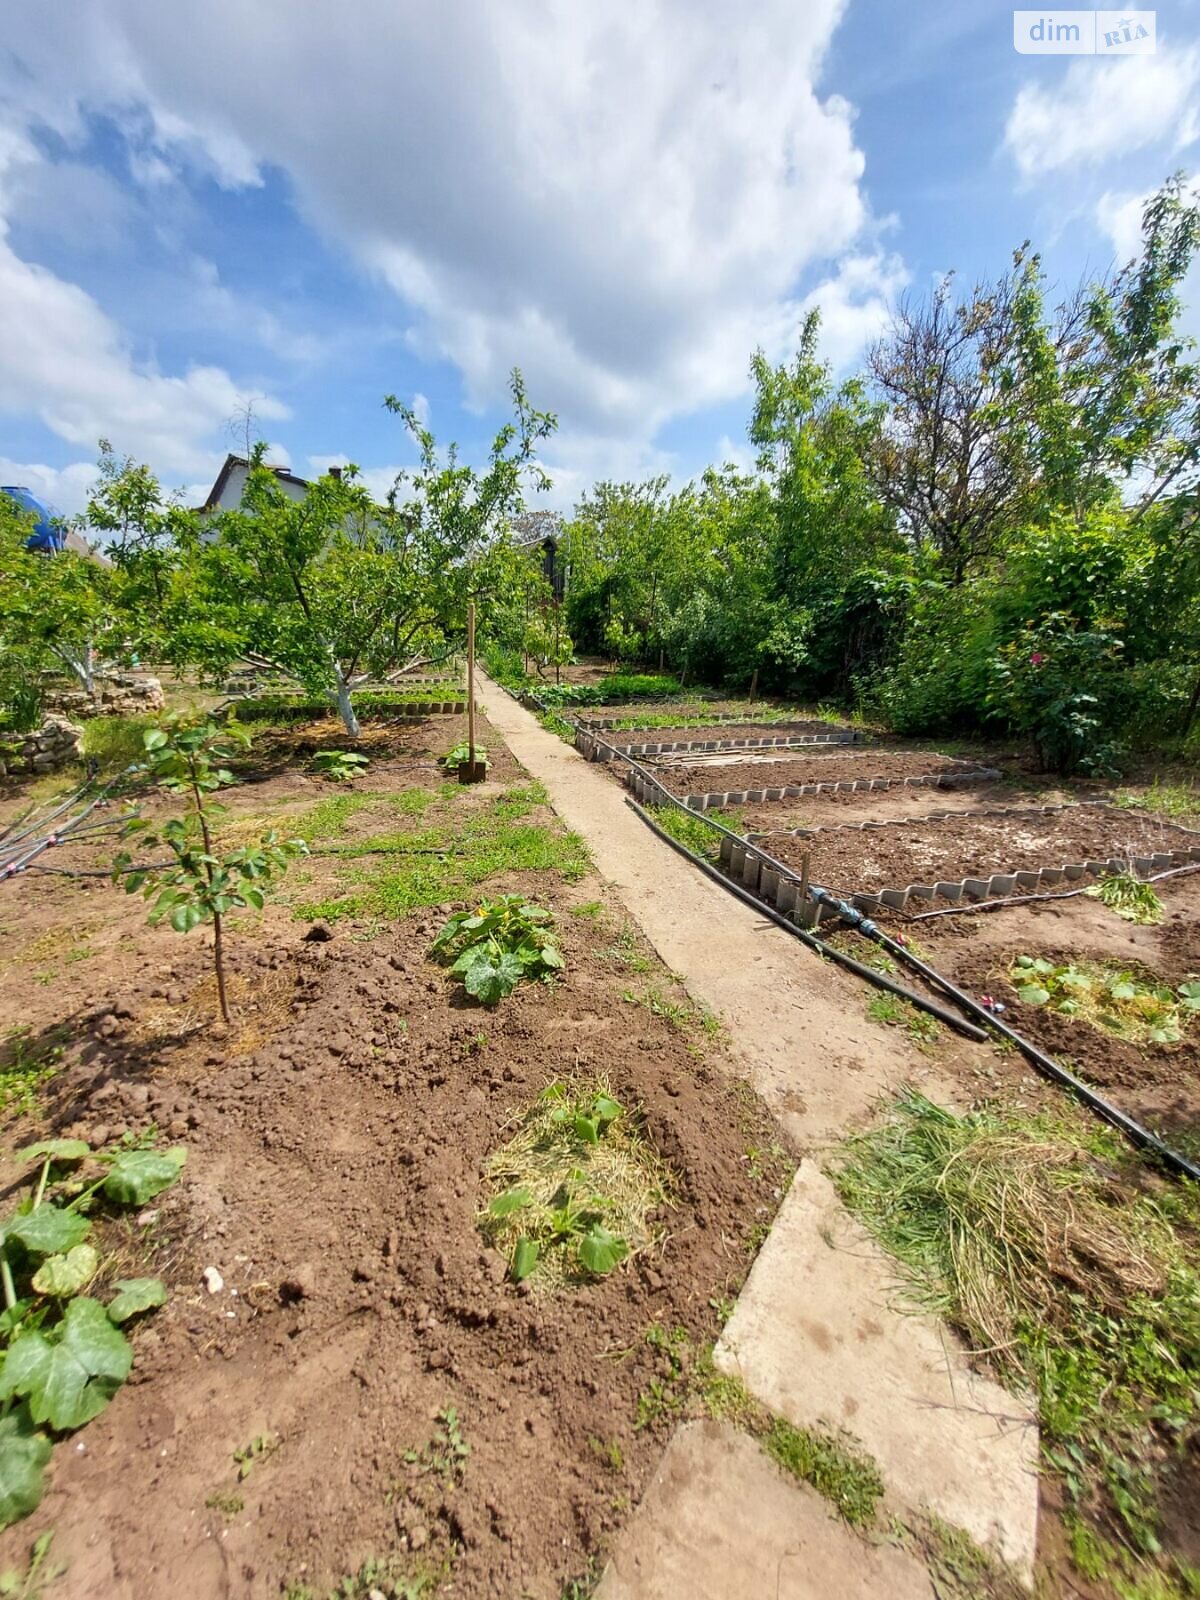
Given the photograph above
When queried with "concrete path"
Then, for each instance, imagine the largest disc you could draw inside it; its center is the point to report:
(687, 1542)
(815, 1335)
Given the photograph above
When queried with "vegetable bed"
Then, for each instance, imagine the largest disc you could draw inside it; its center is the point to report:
(893, 856)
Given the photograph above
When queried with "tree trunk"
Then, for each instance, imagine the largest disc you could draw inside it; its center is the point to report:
(754, 684)
(346, 708)
(219, 964)
(1193, 707)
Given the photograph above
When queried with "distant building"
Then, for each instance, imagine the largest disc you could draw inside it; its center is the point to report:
(226, 492)
(541, 532)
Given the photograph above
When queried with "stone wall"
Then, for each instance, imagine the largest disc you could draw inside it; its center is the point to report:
(118, 694)
(56, 744)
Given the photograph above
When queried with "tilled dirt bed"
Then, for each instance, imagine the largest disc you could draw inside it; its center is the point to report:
(833, 764)
(725, 731)
(1159, 1084)
(892, 857)
(336, 1139)
(834, 807)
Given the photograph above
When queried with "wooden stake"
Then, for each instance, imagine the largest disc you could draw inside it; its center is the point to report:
(804, 860)
(471, 684)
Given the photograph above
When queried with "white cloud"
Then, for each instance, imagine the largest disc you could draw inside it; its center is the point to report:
(63, 360)
(64, 489)
(622, 203)
(1102, 109)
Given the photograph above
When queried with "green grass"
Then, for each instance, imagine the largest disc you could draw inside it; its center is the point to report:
(1168, 799)
(329, 817)
(690, 829)
(893, 1012)
(844, 1475)
(115, 743)
(444, 863)
(1037, 1238)
(412, 802)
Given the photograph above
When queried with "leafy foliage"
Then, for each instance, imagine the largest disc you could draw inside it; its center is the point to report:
(497, 943)
(64, 1356)
(575, 1187)
(1129, 897)
(341, 766)
(1107, 997)
(198, 886)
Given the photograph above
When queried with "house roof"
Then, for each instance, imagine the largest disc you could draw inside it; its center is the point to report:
(218, 488)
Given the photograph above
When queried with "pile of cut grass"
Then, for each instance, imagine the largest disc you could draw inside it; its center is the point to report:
(1040, 1242)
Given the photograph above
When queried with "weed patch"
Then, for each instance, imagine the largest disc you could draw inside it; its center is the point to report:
(1129, 897)
(448, 865)
(1079, 1285)
(893, 1012)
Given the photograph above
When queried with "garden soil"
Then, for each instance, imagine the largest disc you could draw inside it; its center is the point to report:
(336, 1144)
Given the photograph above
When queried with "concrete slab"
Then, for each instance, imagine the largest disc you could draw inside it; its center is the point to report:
(816, 1337)
(720, 1521)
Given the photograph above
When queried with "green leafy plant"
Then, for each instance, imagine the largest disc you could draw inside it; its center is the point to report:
(576, 1185)
(64, 1355)
(197, 885)
(496, 944)
(341, 766)
(447, 1454)
(1107, 997)
(461, 754)
(1129, 897)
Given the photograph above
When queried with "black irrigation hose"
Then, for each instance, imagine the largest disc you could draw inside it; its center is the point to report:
(879, 979)
(1047, 1065)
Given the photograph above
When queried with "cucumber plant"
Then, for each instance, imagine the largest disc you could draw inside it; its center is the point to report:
(64, 1355)
(461, 754)
(196, 885)
(581, 1184)
(1116, 1000)
(492, 947)
(341, 766)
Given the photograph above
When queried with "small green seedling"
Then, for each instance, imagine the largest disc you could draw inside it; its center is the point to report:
(258, 1449)
(447, 1452)
(492, 947)
(341, 766)
(197, 885)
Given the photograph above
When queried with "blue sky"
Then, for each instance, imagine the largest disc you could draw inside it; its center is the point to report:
(307, 207)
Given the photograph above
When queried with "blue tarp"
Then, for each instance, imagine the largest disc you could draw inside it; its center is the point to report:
(46, 534)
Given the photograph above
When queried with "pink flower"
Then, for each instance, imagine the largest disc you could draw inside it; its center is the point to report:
(1036, 659)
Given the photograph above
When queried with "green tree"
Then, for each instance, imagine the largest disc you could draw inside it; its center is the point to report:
(196, 885)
